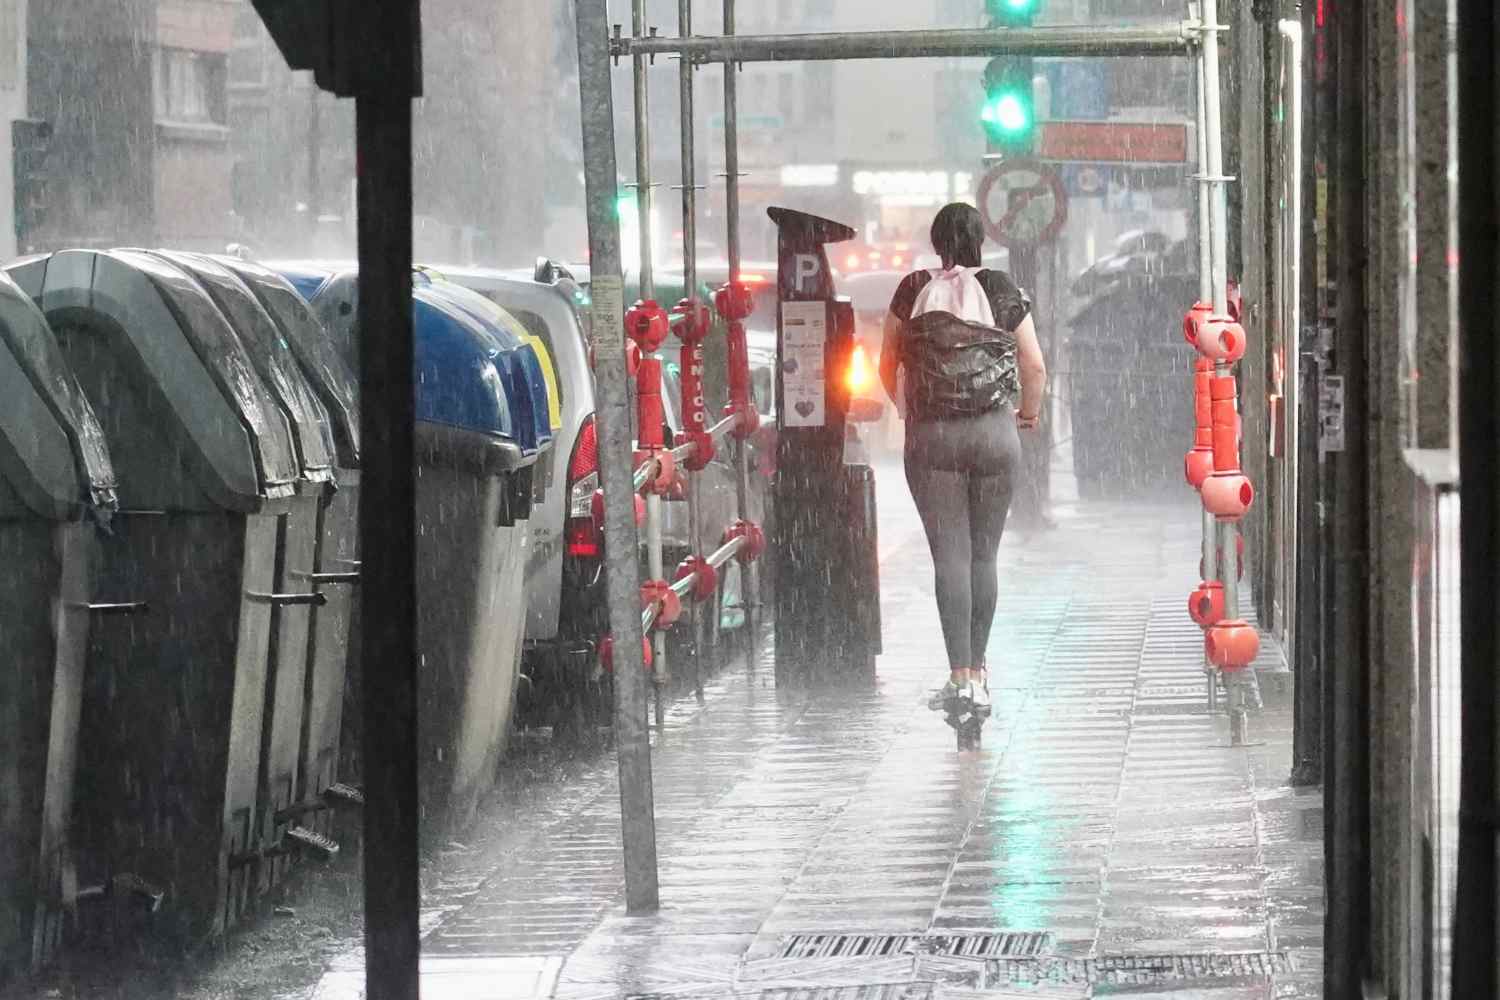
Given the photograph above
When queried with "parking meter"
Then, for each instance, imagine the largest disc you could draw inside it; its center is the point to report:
(824, 533)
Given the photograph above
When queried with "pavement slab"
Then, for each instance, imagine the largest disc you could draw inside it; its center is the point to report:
(833, 845)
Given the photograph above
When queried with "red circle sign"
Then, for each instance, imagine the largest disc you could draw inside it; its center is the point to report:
(1023, 203)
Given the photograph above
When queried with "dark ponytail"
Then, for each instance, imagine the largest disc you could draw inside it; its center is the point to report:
(958, 235)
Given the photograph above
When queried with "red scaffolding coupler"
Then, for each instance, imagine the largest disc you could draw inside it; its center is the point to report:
(650, 435)
(1198, 463)
(755, 540)
(735, 303)
(692, 331)
(1206, 604)
(648, 324)
(1221, 339)
(705, 578)
(669, 605)
(1196, 316)
(1227, 494)
(1232, 645)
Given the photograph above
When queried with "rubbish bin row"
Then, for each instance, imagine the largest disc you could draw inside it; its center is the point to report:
(179, 478)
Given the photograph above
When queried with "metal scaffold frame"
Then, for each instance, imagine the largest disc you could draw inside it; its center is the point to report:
(598, 47)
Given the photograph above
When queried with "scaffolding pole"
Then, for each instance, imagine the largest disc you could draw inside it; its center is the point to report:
(1167, 39)
(1206, 294)
(749, 573)
(690, 291)
(644, 190)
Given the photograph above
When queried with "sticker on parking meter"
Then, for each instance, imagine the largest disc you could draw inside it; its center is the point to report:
(804, 380)
(609, 313)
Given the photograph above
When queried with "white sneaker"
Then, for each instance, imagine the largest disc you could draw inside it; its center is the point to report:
(943, 698)
(977, 693)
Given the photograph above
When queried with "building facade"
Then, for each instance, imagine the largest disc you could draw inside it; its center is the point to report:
(129, 102)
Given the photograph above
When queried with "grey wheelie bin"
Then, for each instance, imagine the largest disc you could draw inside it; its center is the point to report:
(174, 703)
(57, 488)
(474, 487)
(280, 805)
(322, 787)
(476, 455)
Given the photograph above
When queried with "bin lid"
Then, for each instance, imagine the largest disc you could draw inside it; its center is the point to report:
(465, 377)
(334, 301)
(192, 366)
(52, 449)
(460, 374)
(331, 375)
(512, 337)
(272, 357)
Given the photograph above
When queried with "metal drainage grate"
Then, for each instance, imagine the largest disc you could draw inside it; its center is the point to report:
(1136, 970)
(1006, 944)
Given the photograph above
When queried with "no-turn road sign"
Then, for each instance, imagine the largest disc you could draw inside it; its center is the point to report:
(1023, 203)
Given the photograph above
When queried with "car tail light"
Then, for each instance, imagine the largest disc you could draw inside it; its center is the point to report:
(582, 541)
(859, 376)
(583, 480)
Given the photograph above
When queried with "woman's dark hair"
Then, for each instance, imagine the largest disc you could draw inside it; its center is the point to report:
(958, 235)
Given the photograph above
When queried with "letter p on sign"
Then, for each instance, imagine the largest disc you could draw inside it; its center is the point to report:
(807, 269)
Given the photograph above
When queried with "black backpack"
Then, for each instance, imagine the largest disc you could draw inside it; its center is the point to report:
(957, 368)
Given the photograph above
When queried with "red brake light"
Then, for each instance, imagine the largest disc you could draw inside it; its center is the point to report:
(581, 539)
(585, 457)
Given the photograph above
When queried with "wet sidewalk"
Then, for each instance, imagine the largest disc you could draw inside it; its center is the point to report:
(1106, 838)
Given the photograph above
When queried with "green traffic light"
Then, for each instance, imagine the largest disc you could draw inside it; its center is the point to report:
(1014, 11)
(1008, 115)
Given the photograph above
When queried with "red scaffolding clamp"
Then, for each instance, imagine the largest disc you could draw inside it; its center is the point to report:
(705, 578)
(647, 324)
(1232, 645)
(693, 330)
(1227, 494)
(1198, 464)
(652, 436)
(735, 303)
(659, 593)
(1206, 604)
(754, 545)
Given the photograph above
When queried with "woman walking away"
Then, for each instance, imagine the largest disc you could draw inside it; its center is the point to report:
(973, 375)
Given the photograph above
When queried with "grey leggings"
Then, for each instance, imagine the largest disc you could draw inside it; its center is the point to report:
(962, 474)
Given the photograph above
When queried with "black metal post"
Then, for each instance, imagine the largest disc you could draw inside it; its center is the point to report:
(388, 547)
(1347, 794)
(1307, 661)
(1475, 946)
